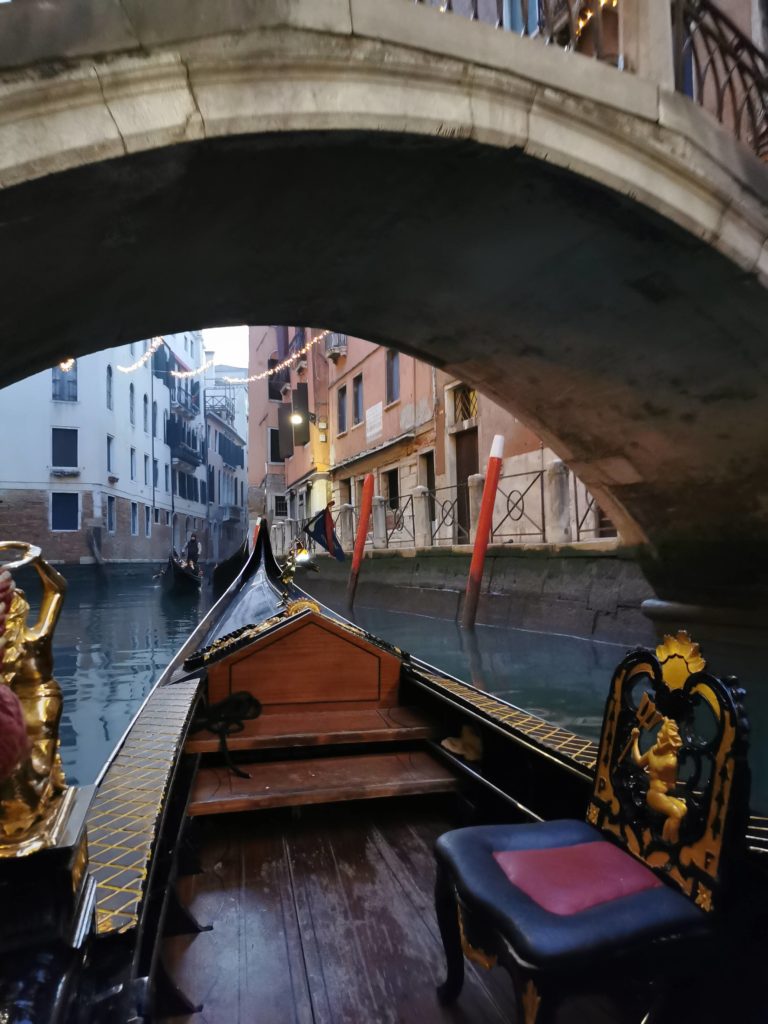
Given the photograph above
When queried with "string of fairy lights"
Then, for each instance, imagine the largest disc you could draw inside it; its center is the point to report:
(293, 358)
(588, 14)
(143, 359)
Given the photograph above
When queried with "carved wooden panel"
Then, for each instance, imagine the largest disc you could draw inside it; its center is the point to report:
(312, 661)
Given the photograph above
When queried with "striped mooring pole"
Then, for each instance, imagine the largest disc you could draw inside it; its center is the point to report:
(362, 533)
(484, 523)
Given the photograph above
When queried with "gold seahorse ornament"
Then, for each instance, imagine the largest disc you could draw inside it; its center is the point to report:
(30, 797)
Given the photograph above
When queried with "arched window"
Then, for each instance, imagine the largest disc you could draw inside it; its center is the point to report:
(146, 415)
(132, 404)
(109, 388)
(154, 419)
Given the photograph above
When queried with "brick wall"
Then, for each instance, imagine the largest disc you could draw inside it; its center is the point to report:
(24, 515)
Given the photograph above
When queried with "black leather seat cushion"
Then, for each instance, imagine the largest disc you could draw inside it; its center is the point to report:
(616, 928)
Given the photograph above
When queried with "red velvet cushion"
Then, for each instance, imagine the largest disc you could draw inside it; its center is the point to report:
(567, 879)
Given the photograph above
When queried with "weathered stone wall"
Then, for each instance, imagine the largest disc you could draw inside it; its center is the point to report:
(589, 593)
(24, 515)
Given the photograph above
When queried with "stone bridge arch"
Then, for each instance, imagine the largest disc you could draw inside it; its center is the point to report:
(583, 245)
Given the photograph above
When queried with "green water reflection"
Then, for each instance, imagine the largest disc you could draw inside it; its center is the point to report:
(112, 642)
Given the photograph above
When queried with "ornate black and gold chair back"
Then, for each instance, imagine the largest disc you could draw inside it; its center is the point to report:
(566, 905)
(672, 777)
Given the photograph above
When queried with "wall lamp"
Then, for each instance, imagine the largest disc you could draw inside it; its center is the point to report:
(297, 418)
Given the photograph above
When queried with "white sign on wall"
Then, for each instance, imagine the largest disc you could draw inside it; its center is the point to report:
(373, 421)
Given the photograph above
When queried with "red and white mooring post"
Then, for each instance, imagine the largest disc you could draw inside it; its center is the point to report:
(362, 533)
(484, 523)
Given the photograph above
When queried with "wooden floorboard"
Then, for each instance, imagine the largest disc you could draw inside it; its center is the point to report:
(320, 728)
(325, 916)
(217, 790)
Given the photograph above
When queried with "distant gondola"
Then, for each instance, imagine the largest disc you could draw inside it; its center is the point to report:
(180, 578)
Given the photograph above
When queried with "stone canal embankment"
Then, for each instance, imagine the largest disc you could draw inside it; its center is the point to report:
(590, 590)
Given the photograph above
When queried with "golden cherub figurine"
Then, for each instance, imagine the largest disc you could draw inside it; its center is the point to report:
(29, 797)
(660, 761)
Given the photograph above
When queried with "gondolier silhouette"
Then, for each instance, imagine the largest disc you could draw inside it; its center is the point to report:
(193, 552)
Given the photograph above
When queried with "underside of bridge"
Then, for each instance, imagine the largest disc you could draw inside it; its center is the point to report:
(636, 350)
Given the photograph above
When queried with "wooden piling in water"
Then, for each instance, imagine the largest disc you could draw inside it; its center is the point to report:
(362, 533)
(484, 523)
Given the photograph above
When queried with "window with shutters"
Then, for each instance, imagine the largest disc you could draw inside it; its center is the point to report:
(274, 445)
(64, 447)
(65, 511)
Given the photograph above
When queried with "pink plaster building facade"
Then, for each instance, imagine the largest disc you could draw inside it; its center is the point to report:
(425, 436)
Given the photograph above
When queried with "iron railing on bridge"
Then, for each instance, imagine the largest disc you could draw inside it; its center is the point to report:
(716, 64)
(720, 68)
(565, 23)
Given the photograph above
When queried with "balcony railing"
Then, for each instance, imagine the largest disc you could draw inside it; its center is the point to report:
(335, 345)
(222, 405)
(298, 341)
(231, 513)
(182, 452)
(182, 403)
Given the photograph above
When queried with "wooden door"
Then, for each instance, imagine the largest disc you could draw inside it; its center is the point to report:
(467, 464)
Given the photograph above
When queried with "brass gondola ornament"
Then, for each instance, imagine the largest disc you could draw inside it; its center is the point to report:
(45, 887)
(32, 796)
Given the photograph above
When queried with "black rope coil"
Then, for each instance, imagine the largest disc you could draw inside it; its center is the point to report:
(225, 718)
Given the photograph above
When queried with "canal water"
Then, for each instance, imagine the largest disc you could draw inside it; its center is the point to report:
(113, 641)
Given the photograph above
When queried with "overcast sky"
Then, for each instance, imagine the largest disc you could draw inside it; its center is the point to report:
(229, 343)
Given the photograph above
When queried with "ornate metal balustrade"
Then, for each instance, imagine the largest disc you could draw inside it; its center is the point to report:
(449, 513)
(519, 508)
(401, 524)
(716, 64)
(720, 68)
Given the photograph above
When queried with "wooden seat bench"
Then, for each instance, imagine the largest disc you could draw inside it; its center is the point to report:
(318, 780)
(321, 728)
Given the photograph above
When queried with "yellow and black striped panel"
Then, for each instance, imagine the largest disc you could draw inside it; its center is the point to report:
(560, 741)
(127, 808)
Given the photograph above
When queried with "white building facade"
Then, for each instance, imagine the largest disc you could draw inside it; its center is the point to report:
(110, 459)
(226, 427)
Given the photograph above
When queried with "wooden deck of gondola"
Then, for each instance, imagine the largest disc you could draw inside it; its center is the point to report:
(328, 919)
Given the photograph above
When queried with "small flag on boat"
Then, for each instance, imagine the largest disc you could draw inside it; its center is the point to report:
(320, 529)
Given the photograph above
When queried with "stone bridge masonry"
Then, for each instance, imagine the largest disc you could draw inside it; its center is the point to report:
(583, 244)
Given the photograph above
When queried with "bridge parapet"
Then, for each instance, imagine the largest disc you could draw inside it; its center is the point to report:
(708, 58)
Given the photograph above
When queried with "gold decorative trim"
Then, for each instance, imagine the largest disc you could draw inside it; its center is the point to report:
(679, 658)
(474, 953)
(687, 863)
(127, 808)
(560, 741)
(704, 897)
(530, 1002)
